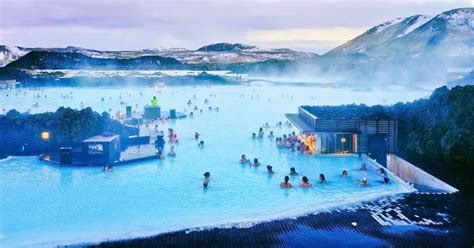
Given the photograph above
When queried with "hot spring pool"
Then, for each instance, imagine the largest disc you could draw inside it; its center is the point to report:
(46, 205)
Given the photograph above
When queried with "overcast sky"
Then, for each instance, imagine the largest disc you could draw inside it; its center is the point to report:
(315, 26)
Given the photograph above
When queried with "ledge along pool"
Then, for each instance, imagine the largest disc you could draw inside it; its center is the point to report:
(46, 205)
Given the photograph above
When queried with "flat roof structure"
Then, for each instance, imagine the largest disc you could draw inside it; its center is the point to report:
(101, 138)
(300, 123)
(349, 129)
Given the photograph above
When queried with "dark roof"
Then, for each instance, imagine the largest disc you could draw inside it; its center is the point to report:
(352, 111)
(300, 123)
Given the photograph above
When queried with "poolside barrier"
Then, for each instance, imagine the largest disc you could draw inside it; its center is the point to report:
(412, 174)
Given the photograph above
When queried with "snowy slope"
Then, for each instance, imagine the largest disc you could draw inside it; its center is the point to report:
(221, 53)
(449, 34)
(10, 53)
(380, 34)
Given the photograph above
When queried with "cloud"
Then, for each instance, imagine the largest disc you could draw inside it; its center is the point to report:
(304, 37)
(135, 24)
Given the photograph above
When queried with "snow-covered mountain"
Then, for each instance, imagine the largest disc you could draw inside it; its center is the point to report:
(380, 34)
(224, 53)
(11, 53)
(219, 53)
(449, 34)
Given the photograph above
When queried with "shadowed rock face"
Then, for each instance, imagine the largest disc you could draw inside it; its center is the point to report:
(74, 60)
(225, 47)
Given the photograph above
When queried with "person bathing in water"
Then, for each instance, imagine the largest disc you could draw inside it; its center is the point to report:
(363, 167)
(260, 133)
(305, 182)
(256, 163)
(322, 178)
(206, 175)
(244, 160)
(344, 173)
(293, 171)
(172, 153)
(108, 168)
(270, 135)
(286, 184)
(270, 169)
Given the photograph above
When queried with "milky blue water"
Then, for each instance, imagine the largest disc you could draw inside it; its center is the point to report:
(44, 205)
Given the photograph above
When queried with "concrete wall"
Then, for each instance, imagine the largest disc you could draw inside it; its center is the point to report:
(404, 183)
(410, 173)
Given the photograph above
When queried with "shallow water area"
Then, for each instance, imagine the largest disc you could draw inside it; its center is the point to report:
(43, 205)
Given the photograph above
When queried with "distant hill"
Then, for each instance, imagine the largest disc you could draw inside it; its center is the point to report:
(76, 60)
(220, 53)
(225, 47)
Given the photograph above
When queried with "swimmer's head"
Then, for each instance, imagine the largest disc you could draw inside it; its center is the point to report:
(305, 179)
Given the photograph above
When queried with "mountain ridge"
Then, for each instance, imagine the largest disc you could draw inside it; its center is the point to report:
(416, 35)
(75, 60)
(220, 53)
